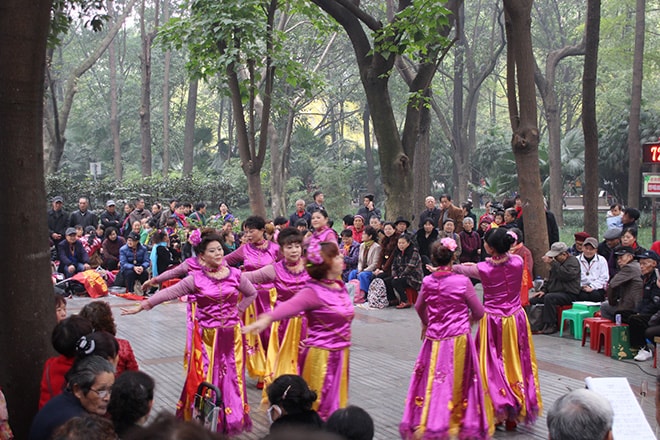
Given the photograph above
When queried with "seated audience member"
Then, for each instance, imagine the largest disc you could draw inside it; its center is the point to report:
(133, 263)
(347, 221)
(467, 212)
(594, 273)
(100, 315)
(357, 228)
(72, 255)
(352, 423)
(498, 219)
(64, 339)
(470, 242)
(291, 403)
(401, 225)
(406, 271)
(369, 256)
(376, 223)
(388, 244)
(302, 225)
(89, 383)
(60, 307)
(510, 218)
(349, 249)
(131, 401)
(448, 228)
(624, 292)
(160, 256)
(629, 238)
(579, 237)
(581, 415)
(649, 306)
(168, 427)
(611, 239)
(425, 236)
(86, 428)
(562, 286)
(629, 218)
(92, 245)
(613, 217)
(110, 248)
(229, 244)
(99, 343)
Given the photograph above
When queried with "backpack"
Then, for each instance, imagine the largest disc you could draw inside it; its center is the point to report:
(377, 295)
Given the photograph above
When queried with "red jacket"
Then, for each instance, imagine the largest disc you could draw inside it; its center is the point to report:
(52, 379)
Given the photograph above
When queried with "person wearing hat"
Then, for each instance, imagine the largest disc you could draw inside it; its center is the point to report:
(562, 286)
(357, 228)
(611, 239)
(110, 216)
(594, 272)
(401, 225)
(624, 293)
(133, 263)
(58, 220)
(579, 237)
(72, 255)
(649, 306)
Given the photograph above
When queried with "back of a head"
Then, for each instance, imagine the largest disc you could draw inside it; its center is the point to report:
(100, 315)
(580, 415)
(131, 399)
(352, 422)
(291, 393)
(85, 428)
(67, 333)
(98, 343)
(168, 427)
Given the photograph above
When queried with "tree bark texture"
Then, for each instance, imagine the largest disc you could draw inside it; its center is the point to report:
(521, 95)
(114, 100)
(189, 130)
(634, 147)
(26, 315)
(145, 89)
(589, 123)
(166, 98)
(368, 152)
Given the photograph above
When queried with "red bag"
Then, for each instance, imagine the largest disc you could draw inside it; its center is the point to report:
(93, 282)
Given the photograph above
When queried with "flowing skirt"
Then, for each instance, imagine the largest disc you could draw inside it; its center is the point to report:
(445, 397)
(257, 344)
(508, 369)
(283, 349)
(216, 356)
(326, 372)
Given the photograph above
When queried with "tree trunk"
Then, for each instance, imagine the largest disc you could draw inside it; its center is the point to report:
(368, 152)
(589, 123)
(634, 147)
(166, 98)
(145, 101)
(422, 168)
(189, 132)
(459, 134)
(521, 96)
(279, 158)
(114, 99)
(26, 315)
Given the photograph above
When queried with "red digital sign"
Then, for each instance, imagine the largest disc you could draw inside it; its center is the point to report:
(651, 152)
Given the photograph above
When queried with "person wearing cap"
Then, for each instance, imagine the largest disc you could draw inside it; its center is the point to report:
(357, 228)
(611, 239)
(449, 211)
(369, 209)
(624, 293)
(58, 220)
(431, 212)
(110, 216)
(562, 286)
(579, 237)
(133, 263)
(594, 272)
(401, 225)
(72, 255)
(649, 306)
(83, 216)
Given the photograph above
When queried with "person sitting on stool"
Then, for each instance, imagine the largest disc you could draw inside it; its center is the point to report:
(133, 263)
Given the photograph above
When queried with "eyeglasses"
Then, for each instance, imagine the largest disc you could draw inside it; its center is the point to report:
(102, 393)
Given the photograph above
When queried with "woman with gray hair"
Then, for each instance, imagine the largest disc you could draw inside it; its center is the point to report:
(581, 415)
(89, 384)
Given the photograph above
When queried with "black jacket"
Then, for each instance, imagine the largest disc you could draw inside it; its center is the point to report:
(87, 218)
(58, 221)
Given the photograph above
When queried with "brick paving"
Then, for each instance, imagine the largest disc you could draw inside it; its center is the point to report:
(385, 346)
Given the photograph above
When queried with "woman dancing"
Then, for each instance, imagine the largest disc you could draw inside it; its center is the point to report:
(506, 350)
(445, 397)
(216, 336)
(329, 312)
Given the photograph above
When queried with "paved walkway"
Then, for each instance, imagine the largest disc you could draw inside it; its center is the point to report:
(385, 346)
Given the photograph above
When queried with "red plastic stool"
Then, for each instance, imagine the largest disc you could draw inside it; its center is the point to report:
(412, 295)
(592, 324)
(560, 310)
(170, 283)
(605, 330)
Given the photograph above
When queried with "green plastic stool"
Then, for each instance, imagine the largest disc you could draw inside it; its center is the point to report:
(590, 309)
(575, 317)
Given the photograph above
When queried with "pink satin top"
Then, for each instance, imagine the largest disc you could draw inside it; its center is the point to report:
(286, 282)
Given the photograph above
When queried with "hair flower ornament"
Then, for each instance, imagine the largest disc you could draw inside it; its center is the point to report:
(85, 345)
(195, 238)
(513, 234)
(314, 253)
(449, 243)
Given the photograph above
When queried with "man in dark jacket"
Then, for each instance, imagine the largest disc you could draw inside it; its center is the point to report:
(624, 292)
(83, 216)
(650, 304)
(431, 212)
(110, 216)
(73, 257)
(369, 209)
(133, 262)
(562, 287)
(58, 220)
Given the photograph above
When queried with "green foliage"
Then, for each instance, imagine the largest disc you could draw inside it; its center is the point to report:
(153, 189)
(63, 13)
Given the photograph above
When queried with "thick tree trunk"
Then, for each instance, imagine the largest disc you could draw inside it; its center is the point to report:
(279, 158)
(459, 134)
(189, 132)
(521, 95)
(634, 147)
(166, 98)
(589, 123)
(422, 167)
(26, 314)
(114, 100)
